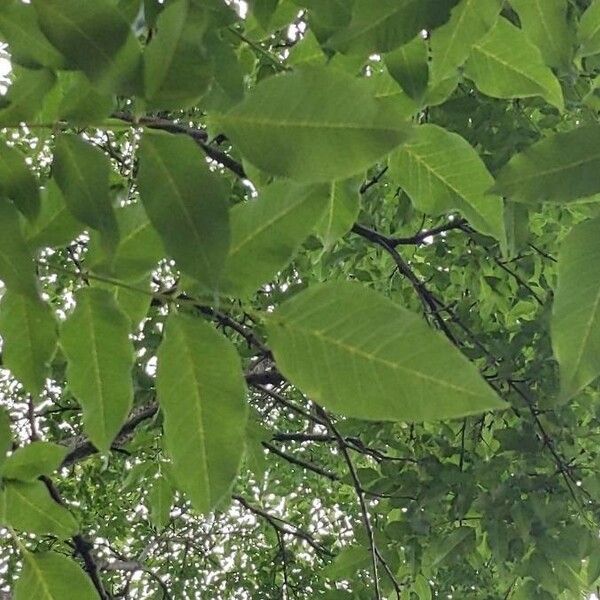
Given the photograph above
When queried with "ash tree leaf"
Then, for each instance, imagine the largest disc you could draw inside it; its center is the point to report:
(17, 269)
(25, 97)
(177, 68)
(201, 392)
(29, 47)
(313, 125)
(575, 323)
(29, 333)
(55, 225)
(81, 102)
(5, 435)
(95, 340)
(139, 248)
(267, 232)
(452, 42)
(28, 506)
(408, 65)
(82, 173)
(186, 204)
(345, 565)
(360, 355)
(17, 182)
(35, 459)
(342, 206)
(546, 24)
(441, 172)
(386, 24)
(160, 499)
(52, 576)
(588, 34)
(559, 168)
(95, 38)
(505, 64)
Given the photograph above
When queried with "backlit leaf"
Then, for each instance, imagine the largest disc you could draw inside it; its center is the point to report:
(374, 360)
(342, 207)
(505, 64)
(576, 309)
(95, 38)
(52, 576)
(267, 232)
(441, 172)
(28, 507)
(313, 125)
(82, 173)
(29, 333)
(545, 23)
(559, 168)
(17, 182)
(451, 43)
(95, 339)
(589, 30)
(201, 392)
(186, 204)
(34, 459)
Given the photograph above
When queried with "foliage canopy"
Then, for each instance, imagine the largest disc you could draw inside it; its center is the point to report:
(300, 299)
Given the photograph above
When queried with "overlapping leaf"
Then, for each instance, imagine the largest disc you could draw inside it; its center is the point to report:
(17, 182)
(267, 232)
(441, 172)
(559, 168)
(505, 64)
(186, 204)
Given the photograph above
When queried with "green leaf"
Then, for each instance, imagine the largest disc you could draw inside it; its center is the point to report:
(51, 576)
(82, 174)
(28, 506)
(177, 68)
(5, 435)
(451, 43)
(360, 355)
(593, 568)
(25, 96)
(203, 435)
(95, 38)
(505, 64)
(186, 204)
(55, 225)
(386, 24)
(448, 545)
(35, 459)
(576, 311)
(546, 24)
(422, 588)
(17, 182)
(17, 269)
(81, 103)
(350, 560)
(408, 65)
(95, 339)
(589, 30)
(559, 168)
(28, 46)
(441, 172)
(160, 499)
(134, 302)
(139, 249)
(315, 124)
(267, 232)
(29, 333)
(342, 208)
(263, 10)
